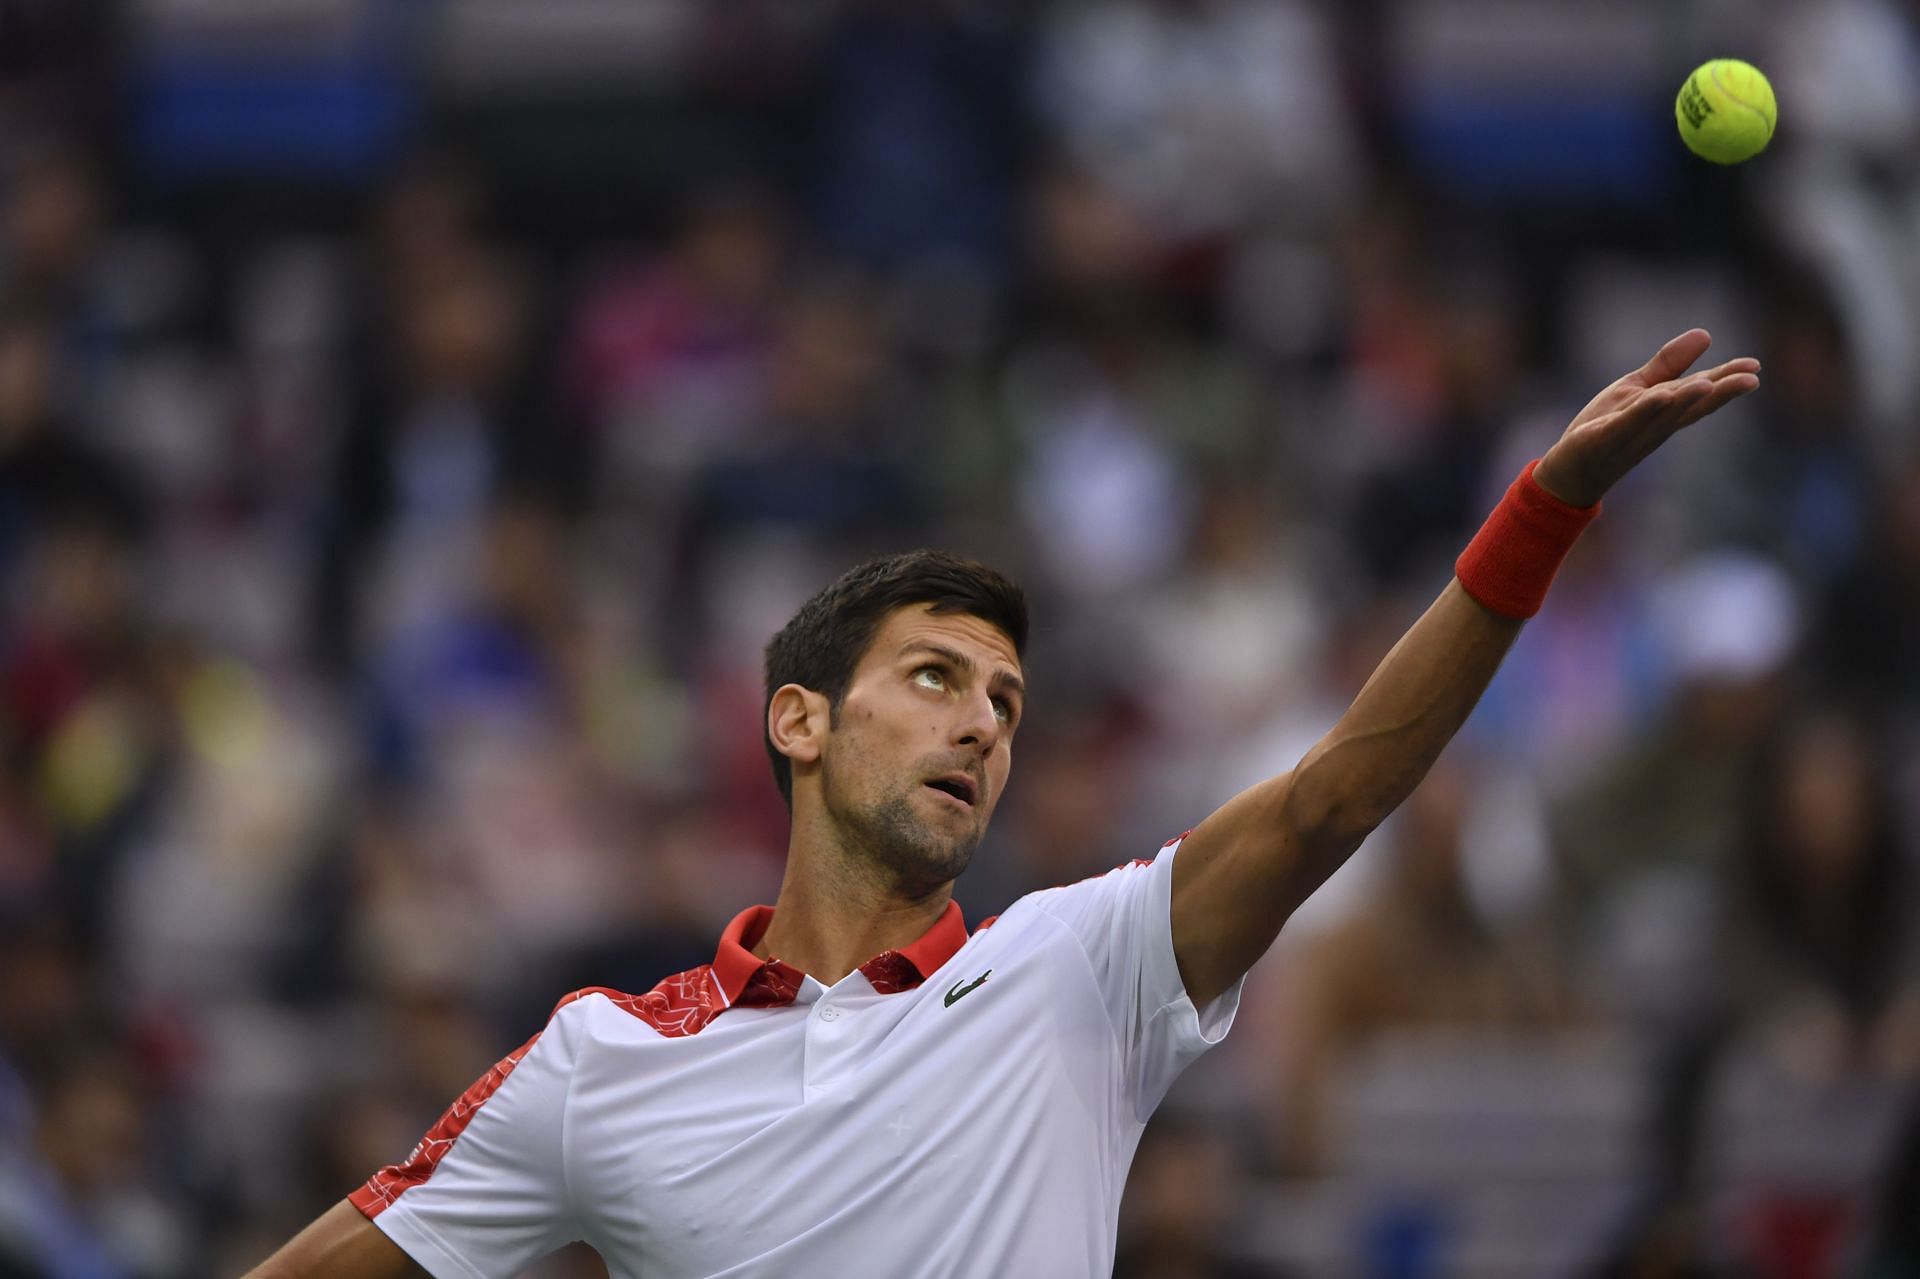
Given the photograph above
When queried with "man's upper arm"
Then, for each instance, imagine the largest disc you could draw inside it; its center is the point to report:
(1122, 922)
(1240, 874)
(485, 1193)
(340, 1244)
(482, 1196)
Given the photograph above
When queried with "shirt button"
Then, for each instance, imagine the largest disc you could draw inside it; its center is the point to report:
(829, 1013)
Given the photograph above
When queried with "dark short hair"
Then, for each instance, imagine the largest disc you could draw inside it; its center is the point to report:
(826, 639)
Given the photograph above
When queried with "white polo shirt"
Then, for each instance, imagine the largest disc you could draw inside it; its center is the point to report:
(967, 1106)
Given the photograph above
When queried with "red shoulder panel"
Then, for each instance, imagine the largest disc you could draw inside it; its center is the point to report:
(680, 1005)
(391, 1182)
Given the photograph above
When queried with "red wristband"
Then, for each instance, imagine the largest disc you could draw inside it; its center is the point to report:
(1512, 559)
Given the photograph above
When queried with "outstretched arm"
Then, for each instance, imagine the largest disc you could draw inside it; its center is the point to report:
(1245, 869)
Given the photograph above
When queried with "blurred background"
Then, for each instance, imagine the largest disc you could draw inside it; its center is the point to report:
(416, 415)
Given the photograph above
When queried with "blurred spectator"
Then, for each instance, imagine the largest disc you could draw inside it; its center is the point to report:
(56, 267)
(1795, 484)
(667, 362)
(1206, 116)
(1181, 1205)
(1584, 678)
(50, 232)
(1823, 899)
(1419, 954)
(498, 653)
(1892, 1246)
(56, 61)
(76, 1203)
(79, 687)
(1869, 628)
(43, 985)
(1233, 637)
(437, 433)
(837, 460)
(252, 767)
(1438, 352)
(49, 474)
(1645, 840)
(919, 121)
(1112, 406)
(480, 710)
(1844, 194)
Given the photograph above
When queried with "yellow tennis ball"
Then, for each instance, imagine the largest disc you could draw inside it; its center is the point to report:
(1726, 111)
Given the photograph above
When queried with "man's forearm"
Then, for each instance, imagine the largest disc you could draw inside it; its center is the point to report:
(1396, 728)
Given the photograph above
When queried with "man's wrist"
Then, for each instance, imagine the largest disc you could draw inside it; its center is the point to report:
(1512, 560)
(1557, 486)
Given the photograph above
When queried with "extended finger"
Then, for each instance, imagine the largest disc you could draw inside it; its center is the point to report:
(1676, 357)
(1732, 368)
(1681, 400)
(1724, 392)
(1655, 411)
(1670, 399)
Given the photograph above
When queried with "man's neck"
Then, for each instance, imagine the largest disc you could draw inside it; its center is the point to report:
(829, 920)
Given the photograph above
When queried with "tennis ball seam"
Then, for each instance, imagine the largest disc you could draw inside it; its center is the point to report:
(1713, 70)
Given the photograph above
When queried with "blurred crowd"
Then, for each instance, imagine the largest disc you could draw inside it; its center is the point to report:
(416, 415)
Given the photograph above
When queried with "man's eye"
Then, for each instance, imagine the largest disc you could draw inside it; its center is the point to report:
(930, 677)
(1004, 710)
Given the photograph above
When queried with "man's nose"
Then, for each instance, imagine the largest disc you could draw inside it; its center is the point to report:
(978, 726)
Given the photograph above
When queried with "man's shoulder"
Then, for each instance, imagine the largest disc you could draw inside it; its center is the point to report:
(1111, 879)
(676, 1006)
(1074, 906)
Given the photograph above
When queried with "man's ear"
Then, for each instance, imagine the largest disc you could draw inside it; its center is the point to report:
(798, 722)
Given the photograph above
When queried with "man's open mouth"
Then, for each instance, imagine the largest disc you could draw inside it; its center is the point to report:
(958, 785)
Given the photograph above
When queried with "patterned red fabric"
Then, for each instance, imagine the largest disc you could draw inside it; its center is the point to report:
(773, 984)
(391, 1182)
(734, 963)
(891, 972)
(680, 1005)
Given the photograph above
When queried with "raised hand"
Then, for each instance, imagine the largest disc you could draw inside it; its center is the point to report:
(1637, 414)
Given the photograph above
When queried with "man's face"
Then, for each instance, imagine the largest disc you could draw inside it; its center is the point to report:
(922, 746)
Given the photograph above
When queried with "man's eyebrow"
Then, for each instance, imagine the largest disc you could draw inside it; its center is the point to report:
(962, 662)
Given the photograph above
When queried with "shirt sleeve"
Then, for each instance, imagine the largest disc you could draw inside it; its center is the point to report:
(485, 1193)
(1124, 921)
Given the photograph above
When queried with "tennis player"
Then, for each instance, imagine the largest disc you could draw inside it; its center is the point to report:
(860, 1085)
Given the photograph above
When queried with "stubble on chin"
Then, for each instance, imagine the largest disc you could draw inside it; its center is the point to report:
(903, 846)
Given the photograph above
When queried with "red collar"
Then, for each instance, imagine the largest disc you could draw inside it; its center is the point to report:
(745, 978)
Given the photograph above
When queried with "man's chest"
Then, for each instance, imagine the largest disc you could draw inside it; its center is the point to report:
(718, 1146)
